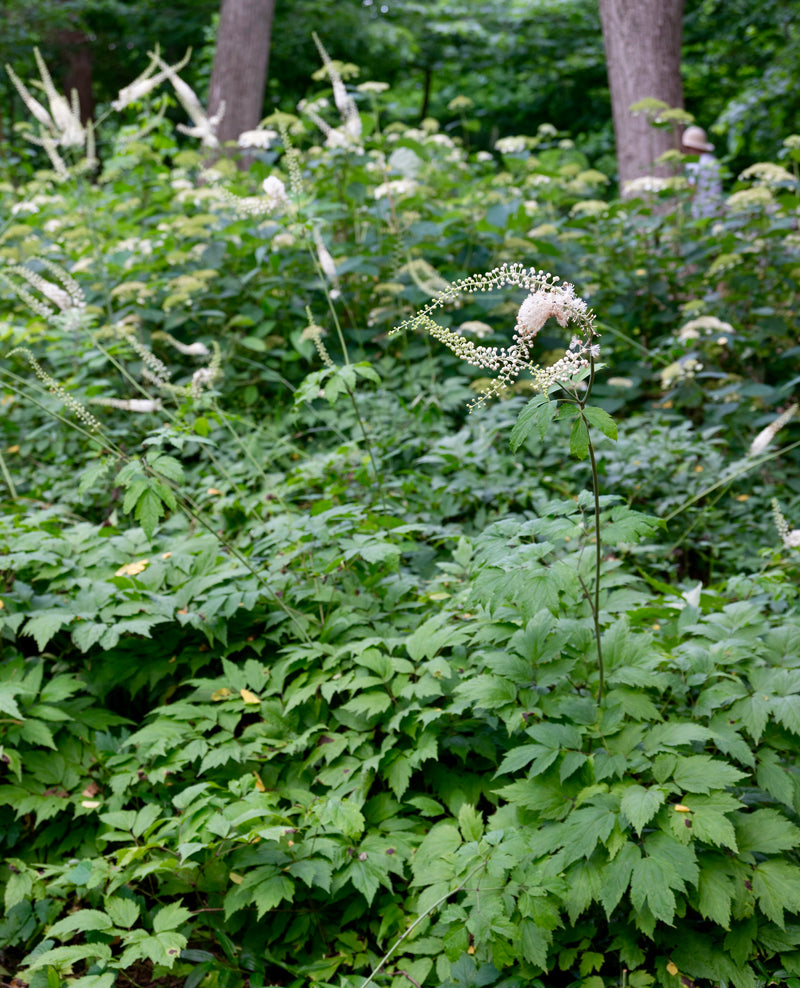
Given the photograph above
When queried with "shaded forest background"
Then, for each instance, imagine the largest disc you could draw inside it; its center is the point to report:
(522, 63)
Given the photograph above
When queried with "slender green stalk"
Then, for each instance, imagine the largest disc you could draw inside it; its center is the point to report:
(417, 921)
(597, 559)
(7, 477)
(594, 601)
(749, 464)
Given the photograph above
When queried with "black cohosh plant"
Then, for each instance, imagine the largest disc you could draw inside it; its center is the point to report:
(563, 388)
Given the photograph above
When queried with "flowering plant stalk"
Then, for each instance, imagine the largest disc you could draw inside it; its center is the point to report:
(570, 379)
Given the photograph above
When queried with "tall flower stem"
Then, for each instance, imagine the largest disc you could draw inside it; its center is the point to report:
(595, 604)
(594, 597)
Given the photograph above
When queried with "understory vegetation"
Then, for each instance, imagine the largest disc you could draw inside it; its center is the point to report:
(321, 668)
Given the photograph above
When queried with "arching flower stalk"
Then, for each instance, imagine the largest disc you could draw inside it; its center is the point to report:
(546, 298)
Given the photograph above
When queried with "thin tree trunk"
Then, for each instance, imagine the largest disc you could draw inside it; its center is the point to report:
(426, 92)
(239, 73)
(643, 54)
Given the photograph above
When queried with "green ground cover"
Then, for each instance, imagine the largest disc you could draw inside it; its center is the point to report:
(309, 674)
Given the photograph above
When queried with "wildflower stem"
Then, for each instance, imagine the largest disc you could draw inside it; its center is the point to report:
(594, 604)
(597, 560)
(729, 477)
(375, 971)
(7, 477)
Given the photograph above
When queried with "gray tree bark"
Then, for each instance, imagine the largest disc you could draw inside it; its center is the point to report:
(642, 40)
(239, 73)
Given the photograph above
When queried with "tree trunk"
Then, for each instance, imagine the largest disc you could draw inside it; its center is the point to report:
(643, 54)
(239, 73)
(78, 76)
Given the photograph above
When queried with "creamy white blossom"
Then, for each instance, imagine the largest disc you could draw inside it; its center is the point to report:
(703, 326)
(765, 437)
(145, 83)
(397, 188)
(61, 123)
(204, 127)
(257, 138)
(511, 145)
(139, 405)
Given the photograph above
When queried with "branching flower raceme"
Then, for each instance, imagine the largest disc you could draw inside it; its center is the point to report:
(203, 126)
(546, 298)
(274, 200)
(60, 123)
(63, 121)
(64, 294)
(145, 83)
(349, 133)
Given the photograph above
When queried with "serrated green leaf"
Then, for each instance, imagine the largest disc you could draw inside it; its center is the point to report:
(600, 418)
(8, 704)
(715, 892)
(709, 821)
(167, 466)
(36, 732)
(765, 831)
(123, 912)
(651, 882)
(702, 773)
(149, 508)
(640, 805)
(663, 737)
(343, 815)
(87, 633)
(43, 627)
(537, 414)
(776, 884)
(579, 439)
(18, 888)
(772, 774)
(535, 942)
(171, 916)
(366, 370)
(616, 876)
(470, 823)
(81, 921)
(71, 955)
(267, 895)
(107, 980)
(398, 774)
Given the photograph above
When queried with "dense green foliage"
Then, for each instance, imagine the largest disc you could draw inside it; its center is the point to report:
(301, 669)
(521, 62)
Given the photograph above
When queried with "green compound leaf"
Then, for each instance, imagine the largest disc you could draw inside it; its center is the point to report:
(537, 414)
(600, 418)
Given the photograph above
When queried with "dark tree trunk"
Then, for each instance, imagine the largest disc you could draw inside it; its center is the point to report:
(78, 76)
(643, 53)
(239, 74)
(426, 92)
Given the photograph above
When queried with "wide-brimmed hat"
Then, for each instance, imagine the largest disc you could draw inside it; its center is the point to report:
(696, 139)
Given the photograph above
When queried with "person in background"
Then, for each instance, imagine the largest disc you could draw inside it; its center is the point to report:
(704, 175)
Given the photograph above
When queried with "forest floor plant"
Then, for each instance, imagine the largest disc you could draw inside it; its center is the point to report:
(369, 694)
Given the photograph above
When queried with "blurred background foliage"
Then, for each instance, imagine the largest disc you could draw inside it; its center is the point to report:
(521, 62)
